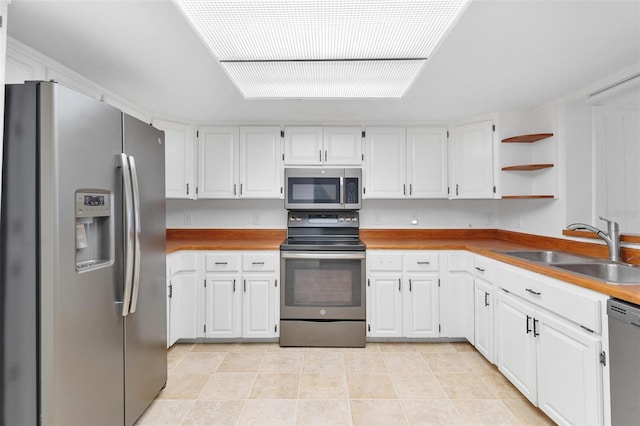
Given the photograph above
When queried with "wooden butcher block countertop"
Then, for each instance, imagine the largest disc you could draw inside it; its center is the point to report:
(486, 242)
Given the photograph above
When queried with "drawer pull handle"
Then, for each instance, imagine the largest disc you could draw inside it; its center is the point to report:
(257, 263)
(424, 263)
(536, 293)
(528, 326)
(535, 329)
(479, 269)
(399, 284)
(486, 299)
(221, 263)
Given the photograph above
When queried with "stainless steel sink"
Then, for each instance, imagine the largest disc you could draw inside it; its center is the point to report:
(547, 256)
(614, 273)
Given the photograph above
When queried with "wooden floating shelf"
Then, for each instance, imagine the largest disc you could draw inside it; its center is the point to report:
(525, 197)
(528, 167)
(535, 137)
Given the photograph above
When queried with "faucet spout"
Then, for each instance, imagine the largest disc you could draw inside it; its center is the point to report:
(611, 237)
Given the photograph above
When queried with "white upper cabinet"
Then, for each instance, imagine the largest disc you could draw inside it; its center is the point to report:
(260, 163)
(343, 146)
(316, 146)
(385, 162)
(179, 147)
(472, 161)
(406, 163)
(218, 162)
(427, 162)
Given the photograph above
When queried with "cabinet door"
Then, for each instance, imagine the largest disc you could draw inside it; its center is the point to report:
(184, 307)
(484, 318)
(258, 319)
(460, 306)
(385, 165)
(223, 304)
(421, 316)
(472, 161)
(343, 146)
(303, 146)
(385, 294)
(260, 162)
(515, 344)
(569, 372)
(178, 159)
(218, 162)
(427, 162)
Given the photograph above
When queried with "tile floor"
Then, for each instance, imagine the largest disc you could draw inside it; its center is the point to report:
(382, 384)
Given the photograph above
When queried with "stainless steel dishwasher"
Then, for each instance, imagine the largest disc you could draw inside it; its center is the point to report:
(624, 359)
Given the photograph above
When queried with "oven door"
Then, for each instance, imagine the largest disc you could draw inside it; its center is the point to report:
(322, 285)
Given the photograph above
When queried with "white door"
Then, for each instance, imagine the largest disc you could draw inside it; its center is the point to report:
(569, 372)
(303, 146)
(223, 304)
(421, 316)
(260, 162)
(427, 162)
(180, 166)
(343, 146)
(218, 162)
(484, 318)
(515, 344)
(385, 162)
(472, 161)
(385, 292)
(184, 307)
(258, 300)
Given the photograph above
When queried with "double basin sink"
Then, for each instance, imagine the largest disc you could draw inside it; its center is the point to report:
(601, 269)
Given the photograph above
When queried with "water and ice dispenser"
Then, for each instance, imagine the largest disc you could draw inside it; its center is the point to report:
(95, 246)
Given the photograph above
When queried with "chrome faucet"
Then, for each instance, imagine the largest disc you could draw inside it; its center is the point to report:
(611, 237)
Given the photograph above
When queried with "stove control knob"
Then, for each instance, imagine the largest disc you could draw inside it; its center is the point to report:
(298, 219)
(292, 219)
(341, 219)
(354, 219)
(323, 312)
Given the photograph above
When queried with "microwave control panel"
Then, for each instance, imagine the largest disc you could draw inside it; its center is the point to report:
(351, 192)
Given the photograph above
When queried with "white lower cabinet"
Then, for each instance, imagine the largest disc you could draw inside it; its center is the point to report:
(456, 296)
(224, 294)
(553, 362)
(402, 290)
(483, 324)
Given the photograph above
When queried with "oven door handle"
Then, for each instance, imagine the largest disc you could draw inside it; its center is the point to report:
(321, 255)
(341, 190)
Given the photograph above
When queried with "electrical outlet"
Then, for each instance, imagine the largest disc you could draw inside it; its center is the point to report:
(255, 219)
(489, 218)
(188, 219)
(414, 220)
(377, 220)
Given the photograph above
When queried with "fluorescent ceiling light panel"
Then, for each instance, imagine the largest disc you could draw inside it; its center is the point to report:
(277, 47)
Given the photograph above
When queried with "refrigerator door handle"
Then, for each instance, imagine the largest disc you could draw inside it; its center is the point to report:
(136, 215)
(129, 232)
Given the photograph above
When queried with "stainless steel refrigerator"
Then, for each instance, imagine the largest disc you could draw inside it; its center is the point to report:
(82, 248)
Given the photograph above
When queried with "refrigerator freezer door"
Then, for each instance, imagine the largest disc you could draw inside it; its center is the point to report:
(145, 329)
(80, 312)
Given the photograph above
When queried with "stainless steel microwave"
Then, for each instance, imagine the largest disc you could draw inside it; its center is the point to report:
(322, 189)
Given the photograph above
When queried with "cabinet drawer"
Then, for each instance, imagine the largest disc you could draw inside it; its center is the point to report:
(259, 262)
(577, 304)
(182, 262)
(484, 267)
(426, 261)
(222, 262)
(384, 261)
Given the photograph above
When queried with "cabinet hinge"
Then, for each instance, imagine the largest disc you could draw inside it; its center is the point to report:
(276, 283)
(368, 282)
(369, 327)
(494, 189)
(448, 190)
(363, 134)
(493, 127)
(447, 134)
(196, 190)
(205, 328)
(197, 133)
(282, 157)
(603, 358)
(205, 283)
(438, 282)
(275, 328)
(439, 328)
(362, 157)
(364, 190)
(1, 22)
(282, 135)
(281, 190)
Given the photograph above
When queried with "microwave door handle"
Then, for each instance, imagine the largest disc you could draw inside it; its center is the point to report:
(129, 231)
(341, 190)
(136, 215)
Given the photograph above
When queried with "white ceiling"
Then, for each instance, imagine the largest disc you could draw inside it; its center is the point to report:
(501, 55)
